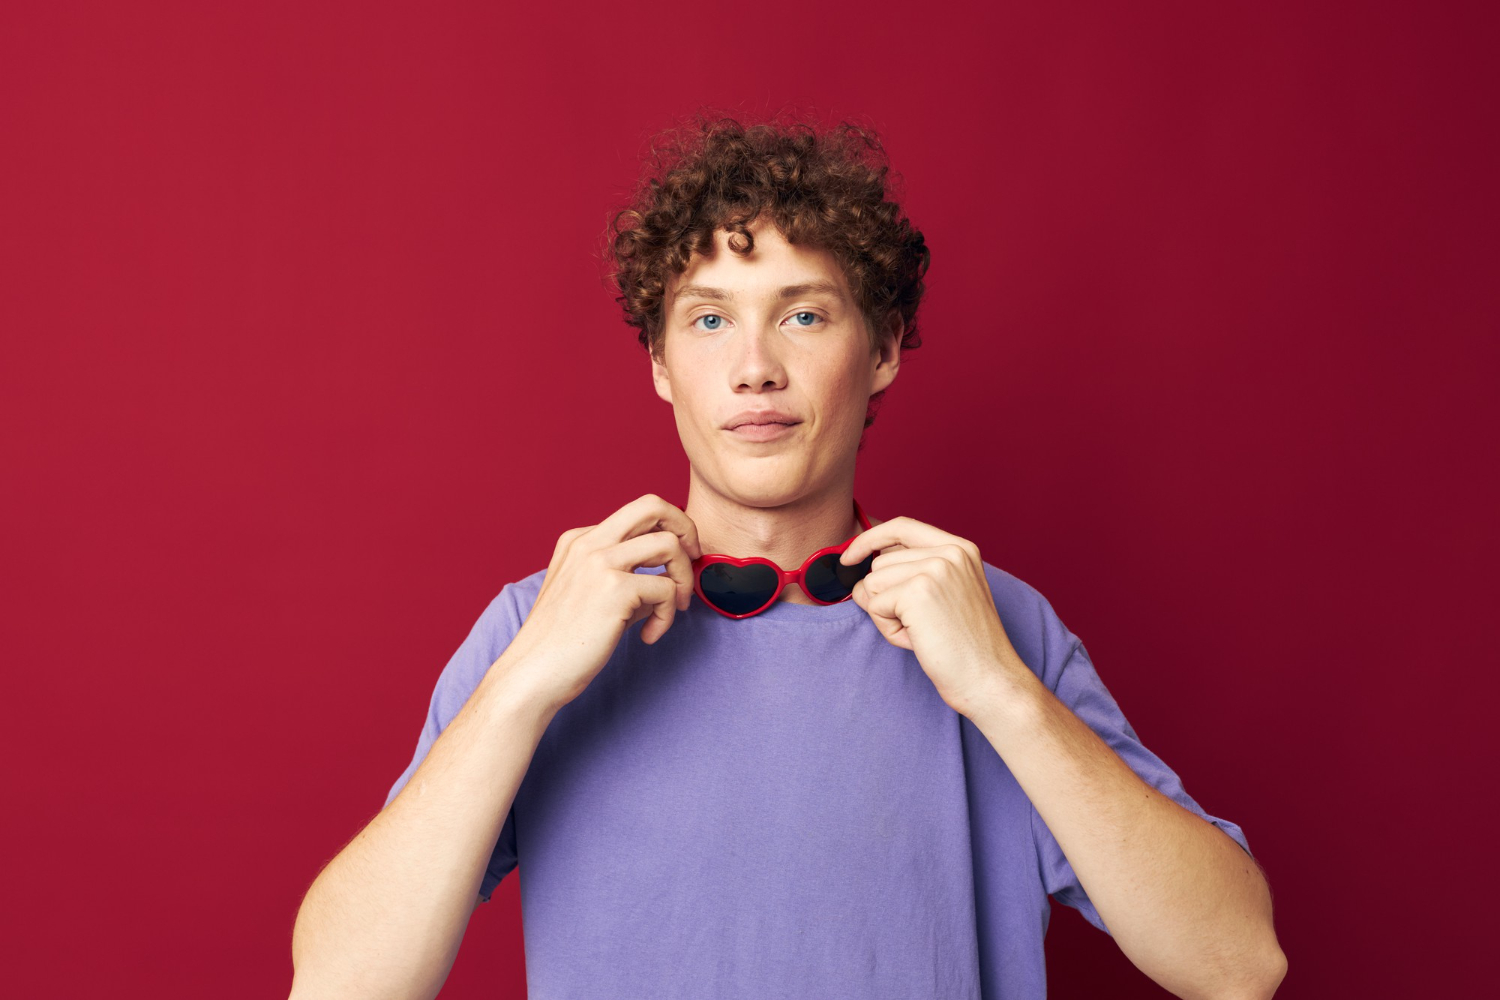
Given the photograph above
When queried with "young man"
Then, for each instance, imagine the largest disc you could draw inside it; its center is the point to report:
(863, 780)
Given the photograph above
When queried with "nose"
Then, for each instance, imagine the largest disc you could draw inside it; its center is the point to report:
(757, 363)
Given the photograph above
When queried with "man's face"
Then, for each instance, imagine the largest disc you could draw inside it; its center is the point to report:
(777, 330)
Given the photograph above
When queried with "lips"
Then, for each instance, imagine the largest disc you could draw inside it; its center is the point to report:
(760, 417)
(763, 432)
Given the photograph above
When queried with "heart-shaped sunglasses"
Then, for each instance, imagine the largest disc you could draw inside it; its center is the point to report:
(739, 588)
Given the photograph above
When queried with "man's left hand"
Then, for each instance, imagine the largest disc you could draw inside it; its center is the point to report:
(926, 591)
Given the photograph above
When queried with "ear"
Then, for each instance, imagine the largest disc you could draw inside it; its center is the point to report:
(887, 356)
(660, 379)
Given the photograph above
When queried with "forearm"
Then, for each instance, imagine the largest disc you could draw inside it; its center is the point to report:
(385, 917)
(1184, 902)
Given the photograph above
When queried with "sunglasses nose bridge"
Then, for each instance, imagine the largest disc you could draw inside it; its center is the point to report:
(789, 577)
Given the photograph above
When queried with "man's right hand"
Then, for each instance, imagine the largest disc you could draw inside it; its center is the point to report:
(591, 594)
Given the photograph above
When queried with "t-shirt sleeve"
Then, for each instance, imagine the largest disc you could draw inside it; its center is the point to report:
(1069, 673)
(489, 637)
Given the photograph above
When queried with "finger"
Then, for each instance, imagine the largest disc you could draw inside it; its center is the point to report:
(650, 513)
(897, 554)
(647, 589)
(892, 575)
(567, 538)
(900, 554)
(672, 518)
(658, 592)
(881, 607)
(659, 548)
(904, 531)
(883, 591)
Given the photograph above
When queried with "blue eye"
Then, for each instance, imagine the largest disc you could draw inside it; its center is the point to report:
(713, 321)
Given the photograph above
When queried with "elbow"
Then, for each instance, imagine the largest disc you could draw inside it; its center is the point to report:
(1265, 985)
(1275, 974)
(1254, 975)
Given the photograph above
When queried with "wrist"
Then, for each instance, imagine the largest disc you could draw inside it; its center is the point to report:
(1009, 695)
(518, 686)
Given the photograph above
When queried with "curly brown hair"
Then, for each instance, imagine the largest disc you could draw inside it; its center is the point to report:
(823, 188)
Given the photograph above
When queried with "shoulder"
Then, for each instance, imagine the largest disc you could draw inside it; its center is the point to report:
(503, 615)
(1013, 594)
(1006, 586)
(1033, 626)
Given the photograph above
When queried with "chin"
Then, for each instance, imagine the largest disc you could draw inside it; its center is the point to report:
(762, 491)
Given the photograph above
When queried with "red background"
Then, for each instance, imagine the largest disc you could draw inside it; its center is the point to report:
(307, 353)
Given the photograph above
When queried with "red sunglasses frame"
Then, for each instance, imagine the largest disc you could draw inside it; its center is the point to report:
(783, 577)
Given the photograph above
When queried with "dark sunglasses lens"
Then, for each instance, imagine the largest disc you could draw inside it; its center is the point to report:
(738, 589)
(829, 580)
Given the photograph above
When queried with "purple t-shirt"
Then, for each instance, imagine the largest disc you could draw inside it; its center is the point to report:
(783, 806)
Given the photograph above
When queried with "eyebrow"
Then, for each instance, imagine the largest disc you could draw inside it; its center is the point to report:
(787, 292)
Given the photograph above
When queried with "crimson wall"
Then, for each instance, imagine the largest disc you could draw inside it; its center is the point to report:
(307, 352)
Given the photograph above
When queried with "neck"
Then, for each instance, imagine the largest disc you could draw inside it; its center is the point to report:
(784, 532)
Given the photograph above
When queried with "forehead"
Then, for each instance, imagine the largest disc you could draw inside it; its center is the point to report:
(774, 270)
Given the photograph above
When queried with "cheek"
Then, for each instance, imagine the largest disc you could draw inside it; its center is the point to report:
(694, 418)
(847, 392)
